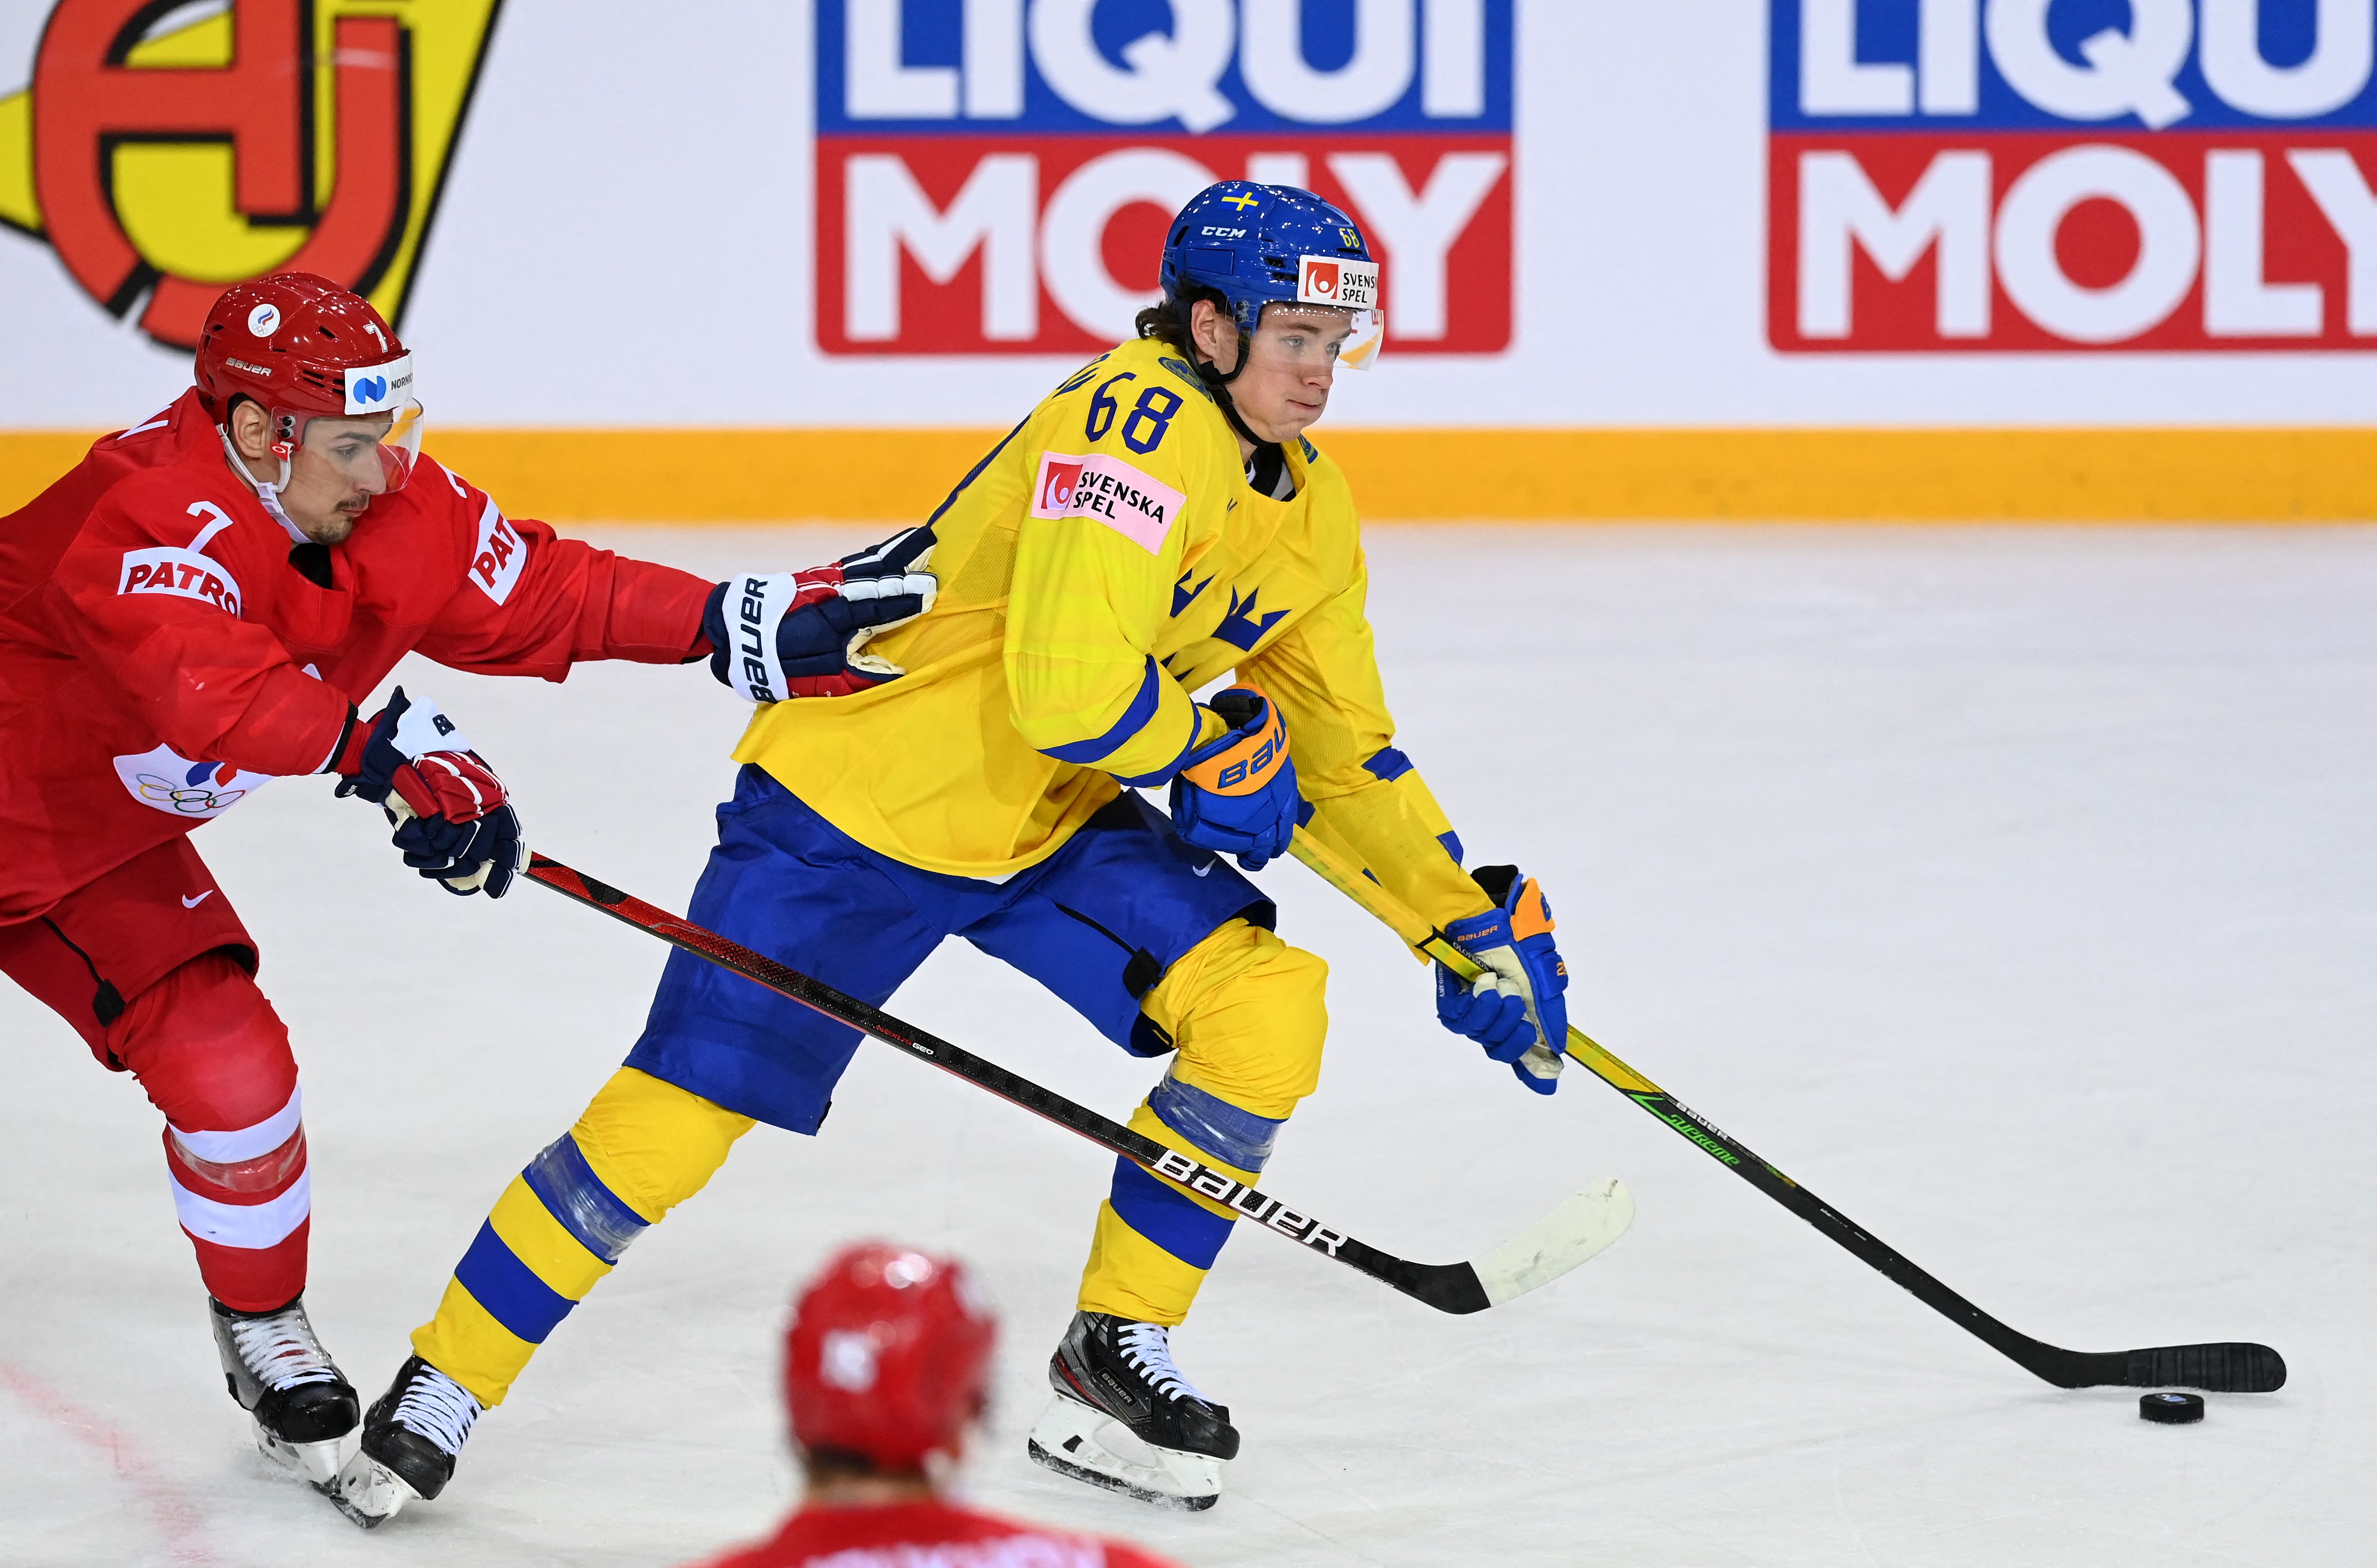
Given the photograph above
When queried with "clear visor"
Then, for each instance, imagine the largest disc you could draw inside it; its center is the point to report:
(1308, 337)
(373, 456)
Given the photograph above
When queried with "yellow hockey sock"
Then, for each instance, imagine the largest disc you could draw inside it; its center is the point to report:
(642, 1147)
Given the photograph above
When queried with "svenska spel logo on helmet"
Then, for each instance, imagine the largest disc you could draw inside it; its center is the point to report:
(1328, 280)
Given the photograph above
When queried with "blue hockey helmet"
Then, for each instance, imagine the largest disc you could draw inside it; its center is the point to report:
(1257, 246)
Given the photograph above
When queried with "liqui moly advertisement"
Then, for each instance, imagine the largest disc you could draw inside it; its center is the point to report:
(1962, 176)
(993, 177)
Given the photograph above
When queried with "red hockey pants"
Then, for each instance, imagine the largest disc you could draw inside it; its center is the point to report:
(163, 987)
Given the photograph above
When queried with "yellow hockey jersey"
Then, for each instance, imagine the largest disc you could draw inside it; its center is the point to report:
(1108, 559)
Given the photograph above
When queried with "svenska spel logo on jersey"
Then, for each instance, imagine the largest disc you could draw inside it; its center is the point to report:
(1102, 486)
(165, 151)
(2088, 175)
(1057, 480)
(992, 177)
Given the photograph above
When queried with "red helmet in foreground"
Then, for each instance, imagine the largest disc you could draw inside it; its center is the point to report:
(301, 347)
(888, 1356)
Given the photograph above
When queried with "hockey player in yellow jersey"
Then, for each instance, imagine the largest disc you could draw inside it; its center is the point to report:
(1156, 523)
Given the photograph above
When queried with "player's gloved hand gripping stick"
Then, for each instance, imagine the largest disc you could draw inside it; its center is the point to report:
(1576, 1230)
(2230, 1367)
(454, 822)
(1512, 1004)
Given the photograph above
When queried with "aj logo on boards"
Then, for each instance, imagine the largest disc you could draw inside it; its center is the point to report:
(2071, 174)
(993, 176)
(165, 157)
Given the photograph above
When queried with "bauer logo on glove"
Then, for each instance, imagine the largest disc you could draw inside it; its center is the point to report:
(1236, 795)
(1246, 763)
(779, 634)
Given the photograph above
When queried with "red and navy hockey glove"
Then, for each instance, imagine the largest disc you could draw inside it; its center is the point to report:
(455, 824)
(779, 634)
(1236, 795)
(1517, 1004)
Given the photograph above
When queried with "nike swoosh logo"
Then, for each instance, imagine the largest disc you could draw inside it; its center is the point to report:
(194, 902)
(1207, 868)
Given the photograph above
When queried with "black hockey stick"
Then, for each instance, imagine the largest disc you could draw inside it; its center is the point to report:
(2230, 1367)
(1575, 1230)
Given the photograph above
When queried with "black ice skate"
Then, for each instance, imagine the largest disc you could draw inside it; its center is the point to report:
(412, 1438)
(277, 1371)
(1126, 1420)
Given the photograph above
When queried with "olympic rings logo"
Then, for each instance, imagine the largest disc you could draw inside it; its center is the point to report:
(189, 799)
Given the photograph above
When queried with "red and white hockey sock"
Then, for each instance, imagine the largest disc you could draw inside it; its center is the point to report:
(244, 1200)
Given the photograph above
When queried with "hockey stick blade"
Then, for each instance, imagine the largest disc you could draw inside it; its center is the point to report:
(2229, 1368)
(1584, 1224)
(1570, 1233)
(2233, 1367)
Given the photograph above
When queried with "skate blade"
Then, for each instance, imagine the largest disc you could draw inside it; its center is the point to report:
(368, 1491)
(1089, 1445)
(316, 1463)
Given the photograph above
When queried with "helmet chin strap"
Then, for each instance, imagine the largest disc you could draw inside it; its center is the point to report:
(1219, 384)
(265, 492)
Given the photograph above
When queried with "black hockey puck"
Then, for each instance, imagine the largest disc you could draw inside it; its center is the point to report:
(2172, 1409)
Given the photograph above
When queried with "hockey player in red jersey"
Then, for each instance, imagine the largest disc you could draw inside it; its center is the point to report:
(887, 1367)
(197, 609)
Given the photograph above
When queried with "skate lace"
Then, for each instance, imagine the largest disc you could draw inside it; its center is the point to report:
(1148, 1347)
(281, 1350)
(438, 1408)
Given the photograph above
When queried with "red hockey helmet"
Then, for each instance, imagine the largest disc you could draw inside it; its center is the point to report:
(301, 347)
(888, 1355)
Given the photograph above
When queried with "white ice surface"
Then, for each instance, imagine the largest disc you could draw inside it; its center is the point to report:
(2013, 889)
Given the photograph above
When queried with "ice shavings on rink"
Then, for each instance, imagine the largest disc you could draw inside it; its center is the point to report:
(2012, 889)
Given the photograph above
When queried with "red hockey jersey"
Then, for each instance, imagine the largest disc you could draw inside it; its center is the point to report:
(911, 1534)
(166, 646)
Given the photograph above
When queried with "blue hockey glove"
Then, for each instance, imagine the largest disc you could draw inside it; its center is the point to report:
(1236, 795)
(1517, 1004)
(779, 634)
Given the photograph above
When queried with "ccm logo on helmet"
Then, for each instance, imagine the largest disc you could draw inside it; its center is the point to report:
(1327, 280)
(381, 388)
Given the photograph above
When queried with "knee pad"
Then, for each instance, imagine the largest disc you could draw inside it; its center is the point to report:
(1249, 1015)
(212, 1055)
(653, 1144)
